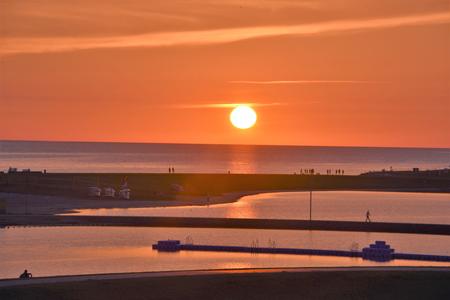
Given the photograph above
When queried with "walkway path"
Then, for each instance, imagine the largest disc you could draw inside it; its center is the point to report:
(74, 220)
(78, 278)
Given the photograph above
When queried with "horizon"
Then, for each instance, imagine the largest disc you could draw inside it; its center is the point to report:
(218, 144)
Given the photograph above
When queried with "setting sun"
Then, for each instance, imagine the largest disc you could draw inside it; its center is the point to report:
(243, 117)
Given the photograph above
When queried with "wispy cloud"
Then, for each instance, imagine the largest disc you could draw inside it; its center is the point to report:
(205, 37)
(274, 82)
(274, 4)
(227, 105)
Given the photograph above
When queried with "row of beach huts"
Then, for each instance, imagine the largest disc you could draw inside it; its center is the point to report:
(124, 191)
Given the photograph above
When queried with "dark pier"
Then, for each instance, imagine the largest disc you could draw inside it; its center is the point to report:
(379, 251)
(75, 220)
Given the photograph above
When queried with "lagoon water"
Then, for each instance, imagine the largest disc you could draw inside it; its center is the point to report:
(326, 205)
(188, 158)
(88, 250)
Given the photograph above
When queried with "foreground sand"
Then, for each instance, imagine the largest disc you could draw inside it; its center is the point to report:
(316, 283)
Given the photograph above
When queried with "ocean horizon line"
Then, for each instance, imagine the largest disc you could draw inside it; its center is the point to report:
(213, 144)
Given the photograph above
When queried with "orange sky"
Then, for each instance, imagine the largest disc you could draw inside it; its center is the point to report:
(327, 72)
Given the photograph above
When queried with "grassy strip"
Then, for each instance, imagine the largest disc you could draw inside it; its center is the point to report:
(151, 186)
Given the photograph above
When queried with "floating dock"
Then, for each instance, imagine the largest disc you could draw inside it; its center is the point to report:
(379, 251)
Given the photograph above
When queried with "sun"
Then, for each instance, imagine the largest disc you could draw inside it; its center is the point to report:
(243, 117)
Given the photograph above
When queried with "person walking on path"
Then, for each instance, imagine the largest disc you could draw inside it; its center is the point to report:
(368, 216)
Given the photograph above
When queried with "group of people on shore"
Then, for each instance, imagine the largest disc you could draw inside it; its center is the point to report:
(312, 172)
(301, 172)
(336, 172)
(307, 171)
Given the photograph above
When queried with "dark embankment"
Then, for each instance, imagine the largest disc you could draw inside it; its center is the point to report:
(43, 220)
(283, 285)
(152, 186)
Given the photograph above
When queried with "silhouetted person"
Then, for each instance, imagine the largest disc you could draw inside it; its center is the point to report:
(173, 170)
(368, 217)
(170, 170)
(25, 275)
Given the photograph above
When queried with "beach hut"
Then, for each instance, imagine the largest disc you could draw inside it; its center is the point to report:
(94, 191)
(109, 192)
(125, 193)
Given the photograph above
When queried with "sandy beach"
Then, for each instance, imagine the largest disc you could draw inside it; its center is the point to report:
(42, 205)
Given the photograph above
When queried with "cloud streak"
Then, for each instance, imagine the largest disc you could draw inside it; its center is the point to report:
(275, 82)
(10, 46)
(227, 105)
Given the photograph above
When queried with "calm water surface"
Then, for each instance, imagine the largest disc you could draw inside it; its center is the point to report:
(332, 205)
(89, 250)
(135, 158)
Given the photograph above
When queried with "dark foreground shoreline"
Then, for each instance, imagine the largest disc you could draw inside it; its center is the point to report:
(346, 283)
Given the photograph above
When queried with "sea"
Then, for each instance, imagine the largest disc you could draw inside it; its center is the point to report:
(204, 158)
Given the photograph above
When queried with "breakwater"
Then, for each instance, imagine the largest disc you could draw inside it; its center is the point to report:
(236, 223)
(379, 251)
